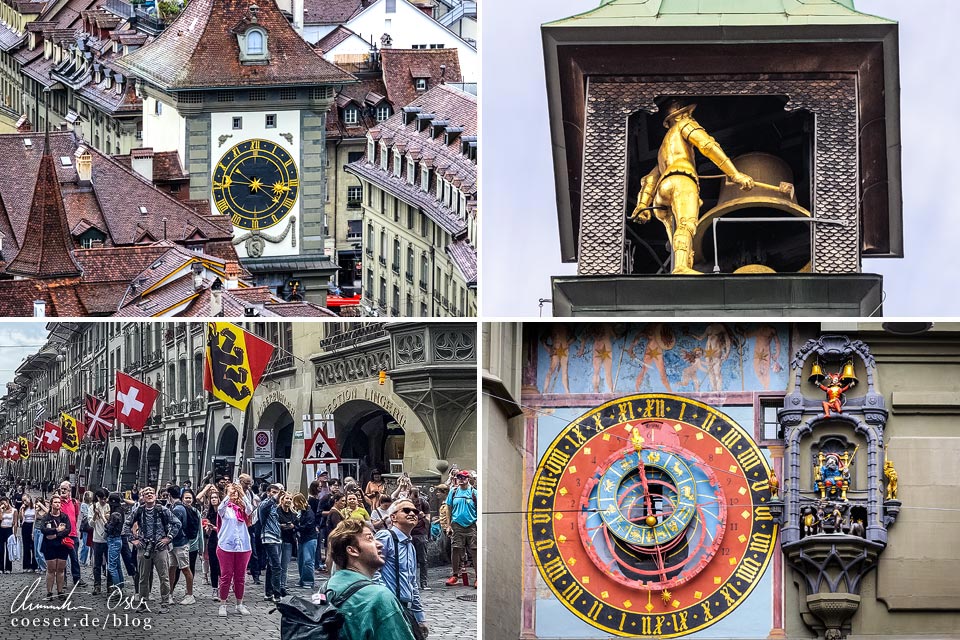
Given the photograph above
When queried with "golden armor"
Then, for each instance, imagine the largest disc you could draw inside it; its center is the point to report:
(891, 475)
(672, 188)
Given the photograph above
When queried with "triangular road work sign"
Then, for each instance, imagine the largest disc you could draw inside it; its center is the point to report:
(318, 449)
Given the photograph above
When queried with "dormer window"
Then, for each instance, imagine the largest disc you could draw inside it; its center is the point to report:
(425, 179)
(420, 84)
(253, 46)
(351, 116)
(370, 150)
(383, 112)
(383, 156)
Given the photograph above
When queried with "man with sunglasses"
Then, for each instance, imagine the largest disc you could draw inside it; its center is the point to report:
(399, 571)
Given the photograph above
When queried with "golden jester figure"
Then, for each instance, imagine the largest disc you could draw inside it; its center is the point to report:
(672, 188)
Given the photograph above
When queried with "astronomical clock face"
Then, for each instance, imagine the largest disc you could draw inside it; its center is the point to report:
(648, 516)
(255, 183)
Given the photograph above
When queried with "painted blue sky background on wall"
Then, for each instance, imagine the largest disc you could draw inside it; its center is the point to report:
(659, 357)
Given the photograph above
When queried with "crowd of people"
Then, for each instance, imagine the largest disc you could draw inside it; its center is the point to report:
(368, 545)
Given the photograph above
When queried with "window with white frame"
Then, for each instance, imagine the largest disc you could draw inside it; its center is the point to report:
(383, 112)
(396, 163)
(354, 196)
(383, 156)
(351, 116)
(411, 170)
(371, 150)
(420, 84)
(425, 178)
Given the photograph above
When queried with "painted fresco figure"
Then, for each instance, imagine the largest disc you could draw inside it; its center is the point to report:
(659, 340)
(602, 336)
(696, 364)
(226, 364)
(672, 188)
(766, 353)
(558, 346)
(715, 352)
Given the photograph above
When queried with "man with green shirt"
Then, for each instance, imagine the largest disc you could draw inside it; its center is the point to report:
(462, 502)
(370, 611)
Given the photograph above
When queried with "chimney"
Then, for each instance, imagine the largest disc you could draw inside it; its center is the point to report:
(39, 309)
(197, 270)
(141, 161)
(84, 165)
(297, 10)
(232, 272)
(216, 299)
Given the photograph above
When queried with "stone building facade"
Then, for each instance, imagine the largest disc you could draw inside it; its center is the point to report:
(880, 569)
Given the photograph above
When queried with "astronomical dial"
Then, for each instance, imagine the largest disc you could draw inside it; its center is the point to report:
(255, 183)
(648, 516)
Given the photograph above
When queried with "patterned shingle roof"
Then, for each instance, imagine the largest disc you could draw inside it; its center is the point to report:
(46, 248)
(331, 11)
(200, 50)
(402, 66)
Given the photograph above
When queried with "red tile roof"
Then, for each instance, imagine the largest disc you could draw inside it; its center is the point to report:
(200, 51)
(166, 165)
(402, 66)
(46, 249)
(110, 202)
(331, 11)
(332, 39)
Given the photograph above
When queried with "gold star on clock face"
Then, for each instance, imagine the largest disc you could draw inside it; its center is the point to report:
(256, 183)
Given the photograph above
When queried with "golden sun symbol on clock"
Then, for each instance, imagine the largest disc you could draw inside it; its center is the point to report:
(649, 515)
(256, 183)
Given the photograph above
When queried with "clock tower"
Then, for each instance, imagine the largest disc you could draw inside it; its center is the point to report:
(242, 99)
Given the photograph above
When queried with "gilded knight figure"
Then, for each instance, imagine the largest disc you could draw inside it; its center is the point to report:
(672, 189)
(892, 481)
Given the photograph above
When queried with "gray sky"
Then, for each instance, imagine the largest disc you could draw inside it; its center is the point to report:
(521, 245)
(17, 341)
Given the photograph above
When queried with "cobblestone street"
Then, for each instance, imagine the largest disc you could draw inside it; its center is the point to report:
(447, 614)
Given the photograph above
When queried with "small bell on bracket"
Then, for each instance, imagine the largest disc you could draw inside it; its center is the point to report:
(848, 375)
(816, 373)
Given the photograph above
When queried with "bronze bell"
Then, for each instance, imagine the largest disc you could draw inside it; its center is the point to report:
(759, 247)
(849, 375)
(816, 374)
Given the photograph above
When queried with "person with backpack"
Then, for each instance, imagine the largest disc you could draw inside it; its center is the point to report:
(180, 546)
(380, 517)
(370, 611)
(156, 529)
(462, 501)
(233, 546)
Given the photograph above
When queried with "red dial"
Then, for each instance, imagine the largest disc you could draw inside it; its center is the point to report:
(648, 516)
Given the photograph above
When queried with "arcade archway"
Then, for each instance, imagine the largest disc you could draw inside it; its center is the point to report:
(130, 467)
(153, 465)
(276, 417)
(368, 438)
(114, 468)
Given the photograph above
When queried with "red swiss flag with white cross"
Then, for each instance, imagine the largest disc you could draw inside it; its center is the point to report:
(134, 401)
(51, 438)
